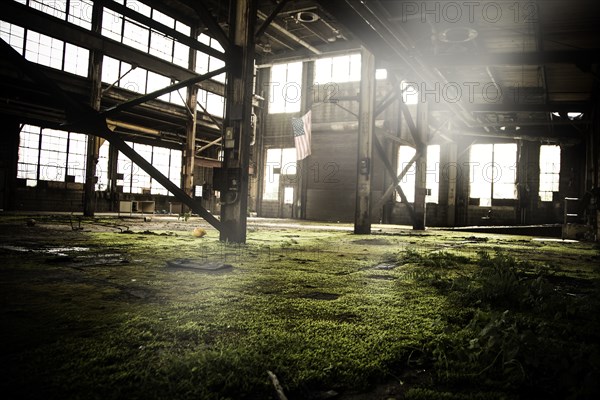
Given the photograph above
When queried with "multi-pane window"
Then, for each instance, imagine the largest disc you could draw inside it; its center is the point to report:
(13, 34)
(51, 155)
(549, 171)
(410, 92)
(338, 69)
(46, 50)
(76, 156)
(55, 8)
(79, 12)
(136, 180)
(76, 60)
(102, 166)
(285, 88)
(213, 103)
(140, 36)
(206, 63)
(29, 149)
(139, 80)
(278, 162)
(493, 169)
(432, 171)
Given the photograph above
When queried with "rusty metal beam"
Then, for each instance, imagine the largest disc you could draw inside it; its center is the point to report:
(213, 26)
(150, 96)
(386, 102)
(397, 179)
(270, 18)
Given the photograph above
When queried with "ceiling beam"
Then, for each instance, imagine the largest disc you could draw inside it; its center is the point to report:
(288, 34)
(210, 23)
(519, 107)
(578, 57)
(151, 96)
(270, 18)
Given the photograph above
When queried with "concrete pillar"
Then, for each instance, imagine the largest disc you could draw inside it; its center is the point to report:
(421, 167)
(238, 127)
(362, 211)
(93, 144)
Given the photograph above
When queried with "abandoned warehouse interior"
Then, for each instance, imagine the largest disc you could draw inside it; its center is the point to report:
(282, 132)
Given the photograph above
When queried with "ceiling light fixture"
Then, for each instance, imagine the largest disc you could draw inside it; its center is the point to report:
(307, 16)
(458, 34)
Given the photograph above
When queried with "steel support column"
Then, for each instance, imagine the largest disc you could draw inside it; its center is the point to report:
(366, 124)
(93, 142)
(190, 130)
(421, 166)
(308, 72)
(237, 126)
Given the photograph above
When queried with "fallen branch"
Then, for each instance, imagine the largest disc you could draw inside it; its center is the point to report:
(277, 386)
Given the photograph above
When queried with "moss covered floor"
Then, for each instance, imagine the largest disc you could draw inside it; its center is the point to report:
(90, 310)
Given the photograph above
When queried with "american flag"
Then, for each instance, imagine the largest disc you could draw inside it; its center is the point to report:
(301, 128)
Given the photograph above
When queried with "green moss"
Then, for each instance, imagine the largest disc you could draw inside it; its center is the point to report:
(322, 309)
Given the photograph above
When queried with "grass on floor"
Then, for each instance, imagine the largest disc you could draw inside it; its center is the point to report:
(96, 313)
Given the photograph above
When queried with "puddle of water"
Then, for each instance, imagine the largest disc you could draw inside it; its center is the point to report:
(53, 250)
(19, 249)
(64, 249)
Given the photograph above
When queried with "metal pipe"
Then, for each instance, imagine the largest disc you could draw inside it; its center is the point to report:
(295, 38)
(133, 127)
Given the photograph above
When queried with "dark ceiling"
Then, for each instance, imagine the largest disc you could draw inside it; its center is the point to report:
(514, 62)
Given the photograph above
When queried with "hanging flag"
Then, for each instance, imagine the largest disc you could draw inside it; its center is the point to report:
(301, 128)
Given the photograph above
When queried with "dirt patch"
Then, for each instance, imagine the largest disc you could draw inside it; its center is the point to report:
(199, 265)
(320, 296)
(372, 242)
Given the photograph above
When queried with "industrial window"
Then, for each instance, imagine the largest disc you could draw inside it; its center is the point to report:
(102, 166)
(76, 60)
(139, 36)
(206, 63)
(213, 103)
(51, 155)
(112, 24)
(29, 149)
(46, 50)
(12, 34)
(278, 162)
(432, 179)
(381, 73)
(285, 88)
(139, 80)
(549, 171)
(410, 92)
(136, 35)
(79, 12)
(493, 172)
(136, 180)
(338, 69)
(55, 8)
